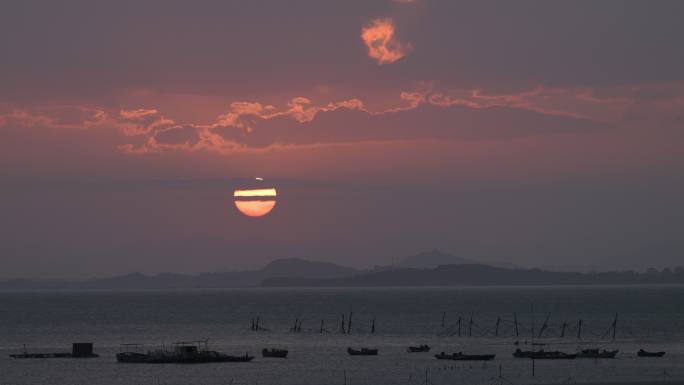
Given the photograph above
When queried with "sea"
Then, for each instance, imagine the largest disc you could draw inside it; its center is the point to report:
(648, 317)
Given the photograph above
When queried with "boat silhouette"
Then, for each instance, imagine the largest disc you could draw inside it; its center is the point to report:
(418, 349)
(543, 355)
(362, 352)
(596, 353)
(643, 353)
(274, 353)
(465, 357)
(194, 352)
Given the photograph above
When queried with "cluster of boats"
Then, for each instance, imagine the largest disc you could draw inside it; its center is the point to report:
(198, 352)
(188, 353)
(534, 354)
(585, 353)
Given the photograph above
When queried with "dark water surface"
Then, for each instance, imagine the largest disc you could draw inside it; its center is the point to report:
(649, 317)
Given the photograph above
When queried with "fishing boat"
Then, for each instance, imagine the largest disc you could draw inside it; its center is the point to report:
(274, 353)
(418, 349)
(194, 352)
(472, 357)
(643, 353)
(543, 355)
(465, 357)
(596, 353)
(362, 352)
(78, 350)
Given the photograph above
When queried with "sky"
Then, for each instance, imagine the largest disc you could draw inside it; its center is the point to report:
(535, 133)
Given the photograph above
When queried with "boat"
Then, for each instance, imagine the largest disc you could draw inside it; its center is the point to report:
(543, 355)
(195, 352)
(643, 353)
(78, 350)
(41, 355)
(274, 353)
(465, 357)
(418, 349)
(472, 357)
(362, 352)
(596, 353)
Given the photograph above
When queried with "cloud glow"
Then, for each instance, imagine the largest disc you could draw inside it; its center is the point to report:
(381, 42)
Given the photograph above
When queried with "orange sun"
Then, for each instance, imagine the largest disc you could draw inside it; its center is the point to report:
(255, 202)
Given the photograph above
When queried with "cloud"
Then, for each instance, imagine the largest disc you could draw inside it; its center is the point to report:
(182, 135)
(55, 116)
(425, 112)
(142, 121)
(381, 42)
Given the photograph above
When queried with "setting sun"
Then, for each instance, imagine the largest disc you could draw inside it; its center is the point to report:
(255, 202)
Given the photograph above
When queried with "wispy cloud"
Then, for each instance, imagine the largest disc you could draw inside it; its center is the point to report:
(423, 113)
(381, 42)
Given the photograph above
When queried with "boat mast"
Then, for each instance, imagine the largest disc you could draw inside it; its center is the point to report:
(579, 329)
(544, 326)
(515, 320)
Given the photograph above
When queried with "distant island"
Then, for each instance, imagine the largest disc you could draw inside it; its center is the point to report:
(477, 274)
(431, 268)
(289, 267)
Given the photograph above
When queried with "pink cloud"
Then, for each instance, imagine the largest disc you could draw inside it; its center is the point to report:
(424, 113)
(56, 116)
(381, 42)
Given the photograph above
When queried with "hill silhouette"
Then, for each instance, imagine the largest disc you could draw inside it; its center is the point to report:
(477, 274)
(433, 258)
(290, 267)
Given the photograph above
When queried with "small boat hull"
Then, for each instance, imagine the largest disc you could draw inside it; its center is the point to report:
(595, 353)
(473, 357)
(274, 353)
(51, 355)
(209, 357)
(362, 352)
(418, 349)
(643, 353)
(465, 357)
(543, 355)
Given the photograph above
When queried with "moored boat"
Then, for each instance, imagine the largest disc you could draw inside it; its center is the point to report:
(78, 350)
(596, 353)
(643, 353)
(472, 357)
(181, 353)
(274, 353)
(543, 355)
(465, 357)
(362, 352)
(418, 349)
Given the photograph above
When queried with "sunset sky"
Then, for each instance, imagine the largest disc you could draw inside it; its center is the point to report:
(535, 133)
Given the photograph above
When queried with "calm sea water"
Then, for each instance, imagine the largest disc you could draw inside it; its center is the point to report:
(649, 317)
